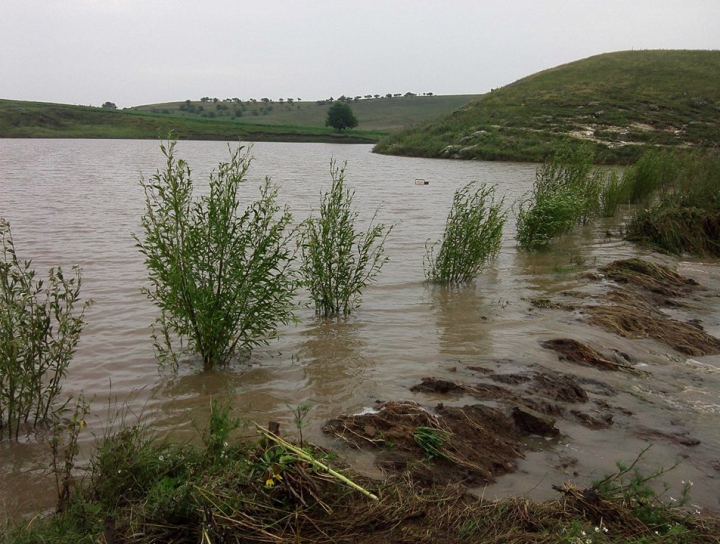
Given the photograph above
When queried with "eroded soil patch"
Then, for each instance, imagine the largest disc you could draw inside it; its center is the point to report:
(477, 442)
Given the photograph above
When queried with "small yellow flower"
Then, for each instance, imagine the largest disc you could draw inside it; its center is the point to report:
(269, 482)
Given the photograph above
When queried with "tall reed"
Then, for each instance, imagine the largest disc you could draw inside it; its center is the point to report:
(685, 218)
(566, 192)
(472, 236)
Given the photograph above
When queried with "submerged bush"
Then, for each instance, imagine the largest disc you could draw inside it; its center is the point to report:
(39, 330)
(220, 276)
(338, 260)
(472, 236)
(566, 192)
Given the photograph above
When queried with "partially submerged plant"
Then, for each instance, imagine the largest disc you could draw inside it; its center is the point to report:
(472, 236)
(686, 216)
(566, 193)
(40, 328)
(221, 276)
(338, 259)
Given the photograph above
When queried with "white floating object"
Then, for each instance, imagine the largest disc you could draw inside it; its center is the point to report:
(421, 182)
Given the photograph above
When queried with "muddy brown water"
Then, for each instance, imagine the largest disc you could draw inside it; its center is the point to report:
(76, 201)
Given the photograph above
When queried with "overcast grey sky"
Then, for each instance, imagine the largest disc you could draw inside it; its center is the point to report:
(134, 52)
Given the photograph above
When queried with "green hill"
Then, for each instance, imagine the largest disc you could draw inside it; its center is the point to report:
(42, 120)
(382, 114)
(619, 102)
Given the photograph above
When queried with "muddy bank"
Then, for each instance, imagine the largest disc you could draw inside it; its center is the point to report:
(488, 421)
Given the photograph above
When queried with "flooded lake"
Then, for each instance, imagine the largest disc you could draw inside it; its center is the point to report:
(79, 201)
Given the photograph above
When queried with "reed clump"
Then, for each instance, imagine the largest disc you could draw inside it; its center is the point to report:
(685, 217)
(472, 236)
(566, 193)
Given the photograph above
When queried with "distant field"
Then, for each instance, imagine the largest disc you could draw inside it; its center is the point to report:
(42, 120)
(381, 114)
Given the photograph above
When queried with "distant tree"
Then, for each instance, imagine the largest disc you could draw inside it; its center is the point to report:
(109, 106)
(205, 99)
(188, 102)
(281, 100)
(429, 94)
(409, 94)
(376, 95)
(395, 95)
(368, 96)
(299, 99)
(340, 116)
(216, 100)
(265, 100)
(290, 101)
(388, 95)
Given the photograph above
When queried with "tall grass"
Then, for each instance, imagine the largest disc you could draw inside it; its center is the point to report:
(338, 259)
(566, 192)
(40, 328)
(655, 170)
(472, 236)
(686, 215)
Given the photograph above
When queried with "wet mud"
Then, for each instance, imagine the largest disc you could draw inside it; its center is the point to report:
(484, 425)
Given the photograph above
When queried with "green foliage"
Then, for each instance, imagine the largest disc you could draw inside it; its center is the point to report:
(472, 236)
(39, 330)
(639, 492)
(338, 260)
(685, 217)
(614, 192)
(64, 446)
(432, 441)
(340, 116)
(220, 276)
(221, 425)
(655, 170)
(566, 192)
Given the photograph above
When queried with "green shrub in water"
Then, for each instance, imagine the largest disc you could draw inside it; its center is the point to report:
(472, 236)
(221, 276)
(566, 192)
(40, 328)
(338, 259)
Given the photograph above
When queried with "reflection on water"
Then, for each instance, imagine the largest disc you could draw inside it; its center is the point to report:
(333, 360)
(461, 316)
(75, 201)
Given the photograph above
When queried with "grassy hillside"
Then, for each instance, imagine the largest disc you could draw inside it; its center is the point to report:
(382, 113)
(619, 102)
(43, 120)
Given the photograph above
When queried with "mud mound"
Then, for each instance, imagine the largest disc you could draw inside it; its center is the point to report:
(642, 321)
(481, 391)
(631, 310)
(577, 352)
(470, 445)
(651, 277)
